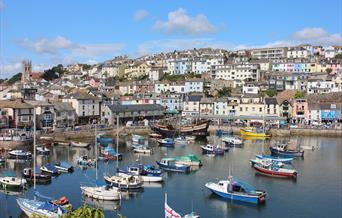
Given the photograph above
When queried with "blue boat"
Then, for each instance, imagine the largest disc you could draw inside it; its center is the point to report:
(50, 169)
(104, 141)
(221, 132)
(109, 153)
(166, 142)
(169, 164)
(209, 149)
(274, 158)
(137, 138)
(139, 170)
(64, 167)
(234, 189)
(40, 208)
(283, 151)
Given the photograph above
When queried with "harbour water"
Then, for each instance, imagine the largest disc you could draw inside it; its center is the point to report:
(317, 192)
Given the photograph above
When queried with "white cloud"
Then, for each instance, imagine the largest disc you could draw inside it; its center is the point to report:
(310, 33)
(140, 15)
(45, 45)
(178, 44)
(94, 50)
(180, 22)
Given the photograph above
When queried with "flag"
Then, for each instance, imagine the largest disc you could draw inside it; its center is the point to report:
(169, 212)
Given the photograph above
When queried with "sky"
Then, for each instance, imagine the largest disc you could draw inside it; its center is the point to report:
(89, 31)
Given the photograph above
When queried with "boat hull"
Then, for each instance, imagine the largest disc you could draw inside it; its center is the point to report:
(100, 193)
(146, 178)
(253, 134)
(200, 129)
(216, 151)
(276, 174)
(287, 153)
(182, 169)
(275, 159)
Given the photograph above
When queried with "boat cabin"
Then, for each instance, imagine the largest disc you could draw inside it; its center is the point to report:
(168, 161)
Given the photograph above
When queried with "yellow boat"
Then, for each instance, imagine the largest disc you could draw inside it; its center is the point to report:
(252, 131)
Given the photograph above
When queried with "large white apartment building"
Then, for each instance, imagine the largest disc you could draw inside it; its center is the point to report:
(269, 53)
(236, 72)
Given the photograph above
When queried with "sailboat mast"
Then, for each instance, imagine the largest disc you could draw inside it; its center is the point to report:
(117, 141)
(34, 148)
(96, 150)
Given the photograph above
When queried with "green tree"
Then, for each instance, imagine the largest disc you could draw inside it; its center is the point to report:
(271, 92)
(224, 92)
(299, 94)
(54, 73)
(14, 79)
(338, 56)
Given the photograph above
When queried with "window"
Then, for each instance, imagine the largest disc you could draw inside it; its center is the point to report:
(260, 109)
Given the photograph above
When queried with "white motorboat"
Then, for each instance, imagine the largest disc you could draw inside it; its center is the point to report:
(79, 144)
(12, 182)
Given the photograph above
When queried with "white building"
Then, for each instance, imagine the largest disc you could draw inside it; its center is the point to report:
(236, 72)
(250, 89)
(193, 85)
(298, 52)
(191, 105)
(322, 86)
(269, 53)
(221, 106)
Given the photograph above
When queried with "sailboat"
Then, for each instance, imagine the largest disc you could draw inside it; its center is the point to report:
(36, 207)
(101, 192)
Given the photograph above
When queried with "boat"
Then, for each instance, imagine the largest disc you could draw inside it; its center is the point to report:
(169, 164)
(166, 142)
(110, 153)
(238, 190)
(62, 143)
(190, 138)
(46, 138)
(43, 150)
(181, 140)
(85, 161)
(143, 149)
(221, 132)
(50, 169)
(150, 175)
(125, 181)
(104, 139)
(274, 158)
(34, 208)
(269, 168)
(282, 150)
(260, 161)
(232, 141)
(154, 135)
(137, 138)
(254, 132)
(79, 144)
(2, 160)
(210, 149)
(20, 154)
(12, 182)
(40, 177)
(188, 160)
(64, 167)
(170, 128)
(105, 192)
(171, 213)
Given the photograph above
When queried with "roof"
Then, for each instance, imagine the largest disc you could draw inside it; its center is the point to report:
(38, 103)
(271, 101)
(136, 107)
(81, 95)
(17, 103)
(63, 106)
(194, 97)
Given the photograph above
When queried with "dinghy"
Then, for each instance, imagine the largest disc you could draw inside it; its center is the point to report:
(79, 144)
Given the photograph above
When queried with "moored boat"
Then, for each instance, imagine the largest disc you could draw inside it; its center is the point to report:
(232, 141)
(110, 153)
(181, 140)
(155, 135)
(12, 182)
(34, 208)
(283, 151)
(221, 132)
(50, 169)
(79, 144)
(169, 164)
(210, 149)
(137, 138)
(85, 161)
(125, 181)
(143, 149)
(254, 132)
(64, 167)
(150, 175)
(166, 142)
(43, 150)
(20, 154)
(237, 190)
(40, 177)
(274, 158)
(106, 193)
(269, 168)
(189, 160)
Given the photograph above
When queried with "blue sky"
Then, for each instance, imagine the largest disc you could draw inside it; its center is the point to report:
(69, 31)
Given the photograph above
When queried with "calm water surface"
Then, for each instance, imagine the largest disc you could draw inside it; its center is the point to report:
(317, 192)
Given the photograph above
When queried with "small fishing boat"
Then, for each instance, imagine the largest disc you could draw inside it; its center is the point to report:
(85, 161)
(143, 149)
(261, 161)
(234, 189)
(104, 192)
(166, 142)
(254, 132)
(139, 170)
(110, 153)
(50, 169)
(181, 140)
(125, 181)
(269, 168)
(154, 135)
(20, 154)
(221, 132)
(190, 138)
(188, 160)
(169, 164)
(232, 141)
(64, 167)
(283, 151)
(34, 208)
(137, 138)
(40, 177)
(11, 182)
(274, 158)
(79, 144)
(43, 150)
(210, 149)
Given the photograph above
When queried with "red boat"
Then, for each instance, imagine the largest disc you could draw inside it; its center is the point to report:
(268, 168)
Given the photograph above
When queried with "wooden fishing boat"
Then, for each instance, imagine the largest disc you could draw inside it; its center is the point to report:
(254, 132)
(169, 164)
(238, 190)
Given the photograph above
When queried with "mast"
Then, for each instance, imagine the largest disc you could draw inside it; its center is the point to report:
(263, 126)
(34, 148)
(96, 151)
(117, 141)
